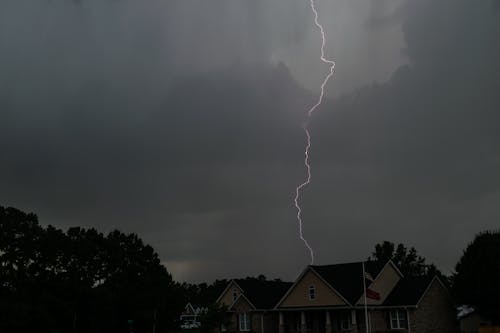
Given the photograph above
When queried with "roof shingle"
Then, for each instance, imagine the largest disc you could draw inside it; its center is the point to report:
(347, 278)
(262, 293)
(408, 291)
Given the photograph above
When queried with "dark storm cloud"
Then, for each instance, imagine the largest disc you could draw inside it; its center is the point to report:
(417, 158)
(171, 120)
(192, 167)
(205, 125)
(160, 118)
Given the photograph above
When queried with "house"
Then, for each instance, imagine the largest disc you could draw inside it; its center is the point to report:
(331, 299)
(250, 304)
(190, 317)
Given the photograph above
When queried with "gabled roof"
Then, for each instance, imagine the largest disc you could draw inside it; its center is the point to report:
(231, 282)
(347, 279)
(263, 294)
(194, 309)
(241, 298)
(408, 291)
(344, 279)
(297, 281)
(189, 308)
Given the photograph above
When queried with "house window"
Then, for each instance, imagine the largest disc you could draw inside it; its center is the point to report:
(235, 294)
(244, 321)
(345, 321)
(312, 292)
(399, 319)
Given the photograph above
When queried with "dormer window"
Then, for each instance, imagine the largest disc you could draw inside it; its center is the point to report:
(312, 292)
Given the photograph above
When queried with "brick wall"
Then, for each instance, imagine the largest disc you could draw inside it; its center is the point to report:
(435, 313)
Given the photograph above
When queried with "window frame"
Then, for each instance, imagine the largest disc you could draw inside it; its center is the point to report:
(312, 292)
(400, 317)
(244, 322)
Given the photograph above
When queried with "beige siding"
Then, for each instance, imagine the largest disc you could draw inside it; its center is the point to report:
(227, 297)
(255, 322)
(435, 313)
(383, 284)
(242, 305)
(299, 296)
(270, 319)
(234, 326)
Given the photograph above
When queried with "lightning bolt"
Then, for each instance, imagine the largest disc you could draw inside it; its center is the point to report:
(307, 181)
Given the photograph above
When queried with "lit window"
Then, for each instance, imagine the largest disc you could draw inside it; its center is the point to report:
(399, 319)
(312, 292)
(244, 321)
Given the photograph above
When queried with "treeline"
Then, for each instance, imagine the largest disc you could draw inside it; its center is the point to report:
(475, 281)
(203, 294)
(81, 280)
(84, 281)
(409, 262)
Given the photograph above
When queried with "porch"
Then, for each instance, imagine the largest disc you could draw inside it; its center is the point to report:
(321, 321)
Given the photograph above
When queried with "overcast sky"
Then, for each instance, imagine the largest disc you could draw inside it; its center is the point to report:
(181, 121)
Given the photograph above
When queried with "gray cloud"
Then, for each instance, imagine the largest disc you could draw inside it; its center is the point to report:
(181, 121)
(417, 158)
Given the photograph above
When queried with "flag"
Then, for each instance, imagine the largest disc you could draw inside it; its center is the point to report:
(372, 294)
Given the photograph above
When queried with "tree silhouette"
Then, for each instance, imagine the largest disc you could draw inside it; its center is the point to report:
(477, 277)
(407, 260)
(80, 280)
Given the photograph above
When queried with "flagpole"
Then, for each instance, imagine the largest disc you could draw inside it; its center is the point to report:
(364, 293)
